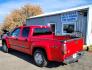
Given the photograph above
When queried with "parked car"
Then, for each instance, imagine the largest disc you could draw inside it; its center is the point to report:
(44, 45)
(4, 34)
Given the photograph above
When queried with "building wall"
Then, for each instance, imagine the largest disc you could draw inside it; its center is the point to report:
(43, 20)
(81, 23)
(35, 21)
(89, 27)
(56, 19)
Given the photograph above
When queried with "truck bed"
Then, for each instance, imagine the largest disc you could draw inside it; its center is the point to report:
(71, 46)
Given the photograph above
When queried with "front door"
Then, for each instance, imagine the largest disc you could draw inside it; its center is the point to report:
(13, 38)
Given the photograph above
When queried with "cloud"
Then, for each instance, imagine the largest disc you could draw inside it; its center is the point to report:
(7, 7)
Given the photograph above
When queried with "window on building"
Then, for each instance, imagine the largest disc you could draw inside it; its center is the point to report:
(25, 32)
(68, 28)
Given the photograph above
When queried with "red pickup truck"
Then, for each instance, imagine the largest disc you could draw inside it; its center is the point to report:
(43, 44)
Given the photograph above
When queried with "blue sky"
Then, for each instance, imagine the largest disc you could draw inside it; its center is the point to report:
(6, 6)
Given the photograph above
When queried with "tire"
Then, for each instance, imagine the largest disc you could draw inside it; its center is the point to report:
(5, 48)
(77, 61)
(40, 58)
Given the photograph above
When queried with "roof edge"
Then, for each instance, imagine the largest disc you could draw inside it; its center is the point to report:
(62, 11)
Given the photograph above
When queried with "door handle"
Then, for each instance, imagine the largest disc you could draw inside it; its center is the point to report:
(15, 38)
(26, 39)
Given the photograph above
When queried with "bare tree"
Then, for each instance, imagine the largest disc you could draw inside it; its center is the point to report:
(18, 16)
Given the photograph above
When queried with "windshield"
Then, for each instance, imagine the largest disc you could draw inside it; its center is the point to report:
(41, 31)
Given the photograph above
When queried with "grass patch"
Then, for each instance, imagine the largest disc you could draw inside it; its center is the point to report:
(90, 48)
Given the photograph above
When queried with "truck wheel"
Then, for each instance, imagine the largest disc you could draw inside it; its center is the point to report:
(5, 48)
(40, 58)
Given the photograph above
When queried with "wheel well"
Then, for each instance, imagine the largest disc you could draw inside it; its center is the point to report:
(3, 41)
(36, 48)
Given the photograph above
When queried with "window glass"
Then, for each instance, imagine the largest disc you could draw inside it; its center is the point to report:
(41, 31)
(25, 32)
(68, 28)
(16, 32)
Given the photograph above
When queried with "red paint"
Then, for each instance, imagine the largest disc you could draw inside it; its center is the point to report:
(53, 45)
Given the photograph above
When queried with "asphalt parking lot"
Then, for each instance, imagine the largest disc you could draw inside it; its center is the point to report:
(20, 61)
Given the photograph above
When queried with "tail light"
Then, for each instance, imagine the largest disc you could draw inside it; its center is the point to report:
(64, 48)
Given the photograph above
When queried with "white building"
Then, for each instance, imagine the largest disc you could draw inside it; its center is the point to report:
(79, 18)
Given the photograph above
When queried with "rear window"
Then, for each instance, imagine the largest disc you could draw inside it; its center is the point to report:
(41, 31)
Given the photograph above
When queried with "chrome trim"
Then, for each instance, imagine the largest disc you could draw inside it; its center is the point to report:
(71, 59)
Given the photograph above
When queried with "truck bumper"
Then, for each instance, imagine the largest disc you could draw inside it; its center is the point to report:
(73, 58)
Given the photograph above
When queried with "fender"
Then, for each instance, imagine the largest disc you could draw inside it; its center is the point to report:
(46, 49)
(6, 41)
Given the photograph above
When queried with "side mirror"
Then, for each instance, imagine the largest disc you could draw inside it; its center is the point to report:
(8, 34)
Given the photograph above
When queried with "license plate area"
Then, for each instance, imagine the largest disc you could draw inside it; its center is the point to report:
(74, 55)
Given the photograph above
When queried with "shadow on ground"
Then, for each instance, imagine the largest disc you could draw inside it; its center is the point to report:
(29, 58)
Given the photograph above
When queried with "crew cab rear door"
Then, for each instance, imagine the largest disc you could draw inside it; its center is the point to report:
(24, 43)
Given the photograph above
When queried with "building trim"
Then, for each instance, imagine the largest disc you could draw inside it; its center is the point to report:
(62, 11)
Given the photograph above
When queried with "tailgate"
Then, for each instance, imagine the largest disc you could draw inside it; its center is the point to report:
(74, 46)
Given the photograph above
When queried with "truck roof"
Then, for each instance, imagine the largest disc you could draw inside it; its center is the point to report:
(36, 26)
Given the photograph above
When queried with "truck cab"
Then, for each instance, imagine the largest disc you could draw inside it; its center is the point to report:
(44, 45)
